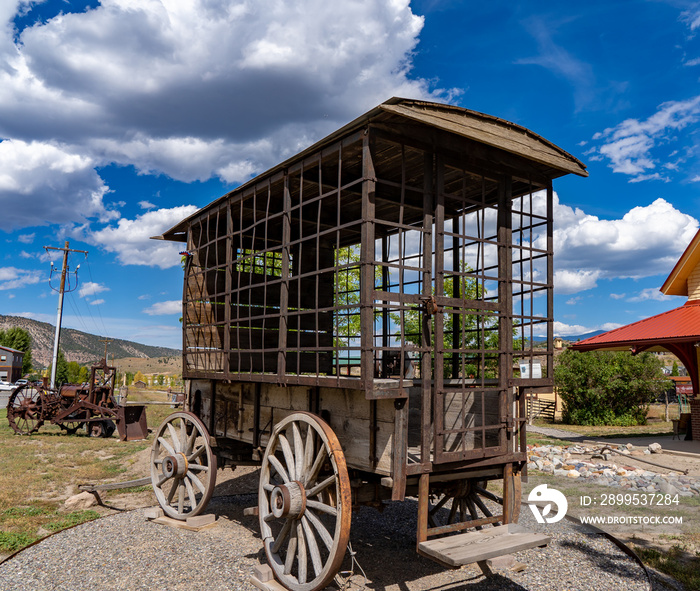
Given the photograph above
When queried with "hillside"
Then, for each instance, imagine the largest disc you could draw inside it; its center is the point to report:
(79, 346)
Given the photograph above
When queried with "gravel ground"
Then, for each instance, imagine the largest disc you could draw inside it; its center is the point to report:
(127, 552)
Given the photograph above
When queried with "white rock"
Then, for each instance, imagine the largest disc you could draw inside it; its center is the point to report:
(84, 500)
(655, 448)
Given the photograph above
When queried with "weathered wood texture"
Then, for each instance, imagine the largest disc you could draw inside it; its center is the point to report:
(348, 410)
(481, 545)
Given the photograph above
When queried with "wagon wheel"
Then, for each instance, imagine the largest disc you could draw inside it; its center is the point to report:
(464, 501)
(25, 410)
(73, 422)
(183, 466)
(304, 502)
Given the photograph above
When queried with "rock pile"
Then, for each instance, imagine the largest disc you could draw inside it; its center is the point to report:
(573, 462)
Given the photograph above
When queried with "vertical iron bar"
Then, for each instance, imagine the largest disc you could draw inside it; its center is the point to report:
(284, 286)
(367, 266)
(438, 374)
(426, 337)
(550, 282)
(227, 292)
(505, 300)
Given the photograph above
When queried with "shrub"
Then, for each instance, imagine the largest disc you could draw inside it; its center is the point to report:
(607, 388)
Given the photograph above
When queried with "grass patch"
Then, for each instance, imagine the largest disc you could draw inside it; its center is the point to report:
(72, 519)
(12, 541)
(41, 470)
(676, 563)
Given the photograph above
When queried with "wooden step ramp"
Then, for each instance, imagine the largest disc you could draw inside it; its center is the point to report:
(478, 546)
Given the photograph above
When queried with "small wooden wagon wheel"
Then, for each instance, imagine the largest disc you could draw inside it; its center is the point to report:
(464, 501)
(304, 502)
(25, 410)
(183, 466)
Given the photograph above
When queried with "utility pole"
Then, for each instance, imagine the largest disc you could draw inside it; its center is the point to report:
(106, 342)
(61, 290)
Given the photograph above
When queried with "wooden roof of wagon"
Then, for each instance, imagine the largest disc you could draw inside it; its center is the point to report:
(408, 116)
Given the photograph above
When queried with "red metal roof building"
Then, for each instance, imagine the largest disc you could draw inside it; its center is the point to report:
(677, 330)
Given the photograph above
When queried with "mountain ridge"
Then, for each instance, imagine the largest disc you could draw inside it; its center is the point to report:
(77, 345)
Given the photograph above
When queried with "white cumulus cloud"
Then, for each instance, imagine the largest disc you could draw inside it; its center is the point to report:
(42, 183)
(163, 308)
(91, 288)
(633, 147)
(190, 89)
(646, 241)
(131, 239)
(13, 278)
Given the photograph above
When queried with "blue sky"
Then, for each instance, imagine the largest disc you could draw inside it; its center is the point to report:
(119, 118)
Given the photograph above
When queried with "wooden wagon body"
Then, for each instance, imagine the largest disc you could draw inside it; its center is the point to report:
(382, 284)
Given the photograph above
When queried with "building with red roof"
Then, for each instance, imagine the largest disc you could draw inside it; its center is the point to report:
(677, 330)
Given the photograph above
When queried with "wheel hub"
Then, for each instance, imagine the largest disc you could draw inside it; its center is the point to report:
(174, 465)
(288, 500)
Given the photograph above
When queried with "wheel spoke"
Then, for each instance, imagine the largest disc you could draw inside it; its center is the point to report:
(183, 436)
(190, 493)
(167, 446)
(320, 528)
(199, 467)
(174, 437)
(321, 486)
(288, 456)
(309, 449)
(291, 552)
(301, 553)
(316, 468)
(278, 466)
(172, 492)
(298, 452)
(190, 441)
(282, 536)
(318, 506)
(180, 498)
(197, 482)
(197, 454)
(313, 546)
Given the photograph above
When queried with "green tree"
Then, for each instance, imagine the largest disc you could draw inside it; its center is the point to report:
(19, 339)
(607, 388)
(674, 368)
(73, 372)
(129, 378)
(83, 375)
(61, 369)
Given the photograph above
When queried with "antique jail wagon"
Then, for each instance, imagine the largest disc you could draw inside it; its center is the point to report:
(352, 319)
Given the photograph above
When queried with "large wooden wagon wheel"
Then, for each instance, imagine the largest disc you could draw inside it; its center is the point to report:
(25, 410)
(464, 501)
(304, 502)
(183, 466)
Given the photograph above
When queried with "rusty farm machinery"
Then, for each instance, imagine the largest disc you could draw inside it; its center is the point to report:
(72, 407)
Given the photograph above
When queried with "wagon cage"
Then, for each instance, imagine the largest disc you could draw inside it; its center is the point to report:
(351, 323)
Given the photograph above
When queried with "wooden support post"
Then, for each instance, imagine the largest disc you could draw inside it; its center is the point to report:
(423, 497)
